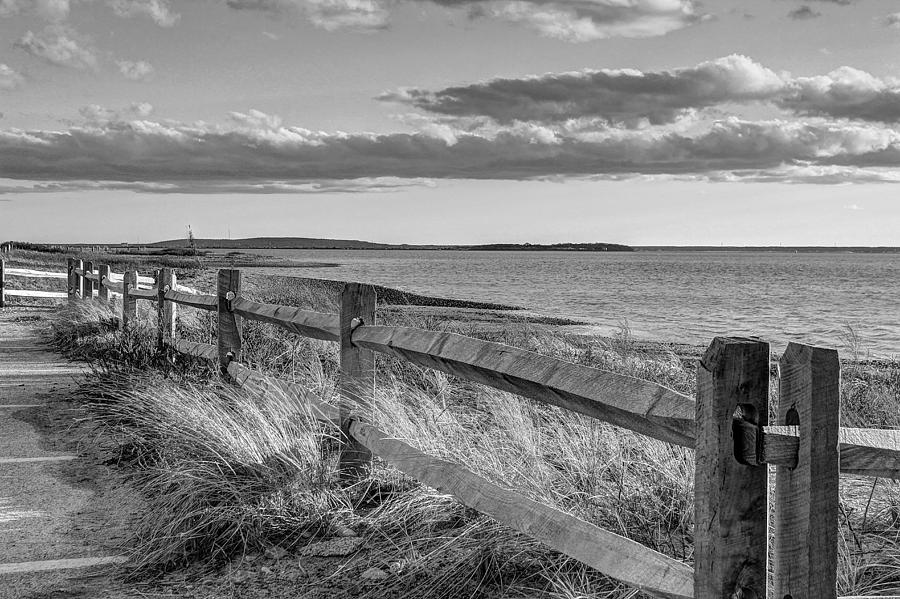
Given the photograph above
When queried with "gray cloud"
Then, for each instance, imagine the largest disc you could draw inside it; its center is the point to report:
(803, 13)
(9, 78)
(140, 70)
(158, 10)
(250, 154)
(631, 97)
(893, 20)
(570, 20)
(51, 10)
(59, 45)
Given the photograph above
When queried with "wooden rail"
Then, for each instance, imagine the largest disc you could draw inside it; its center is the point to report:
(727, 426)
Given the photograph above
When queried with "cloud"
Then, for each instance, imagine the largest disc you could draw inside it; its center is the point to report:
(256, 151)
(617, 96)
(59, 45)
(135, 70)
(95, 114)
(803, 13)
(893, 20)
(570, 20)
(9, 78)
(634, 98)
(51, 10)
(158, 10)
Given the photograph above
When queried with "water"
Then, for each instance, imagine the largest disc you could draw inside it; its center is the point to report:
(688, 297)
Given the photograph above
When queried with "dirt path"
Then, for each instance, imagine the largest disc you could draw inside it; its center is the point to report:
(60, 517)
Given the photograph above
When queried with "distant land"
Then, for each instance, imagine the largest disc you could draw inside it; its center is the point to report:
(800, 249)
(308, 243)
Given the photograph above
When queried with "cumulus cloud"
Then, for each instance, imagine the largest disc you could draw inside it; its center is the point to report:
(576, 21)
(95, 114)
(893, 20)
(803, 13)
(59, 45)
(631, 97)
(158, 10)
(51, 10)
(256, 150)
(9, 78)
(135, 70)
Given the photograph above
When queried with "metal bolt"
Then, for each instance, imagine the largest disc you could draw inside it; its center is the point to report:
(229, 296)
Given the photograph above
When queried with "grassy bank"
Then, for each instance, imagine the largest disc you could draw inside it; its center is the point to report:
(228, 474)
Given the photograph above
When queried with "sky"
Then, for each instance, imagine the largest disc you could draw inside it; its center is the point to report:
(645, 122)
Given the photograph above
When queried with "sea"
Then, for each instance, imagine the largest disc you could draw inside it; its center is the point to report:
(849, 301)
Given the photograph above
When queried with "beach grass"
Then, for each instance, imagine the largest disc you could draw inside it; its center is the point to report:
(228, 473)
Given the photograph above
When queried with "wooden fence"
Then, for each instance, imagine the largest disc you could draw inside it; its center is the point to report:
(726, 425)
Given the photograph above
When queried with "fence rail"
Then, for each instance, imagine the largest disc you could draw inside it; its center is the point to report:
(726, 426)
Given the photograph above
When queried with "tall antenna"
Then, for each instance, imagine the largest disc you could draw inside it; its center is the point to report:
(192, 243)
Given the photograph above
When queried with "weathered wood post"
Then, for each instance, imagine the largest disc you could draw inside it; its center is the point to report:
(229, 339)
(102, 275)
(129, 302)
(88, 284)
(72, 280)
(731, 498)
(806, 496)
(2, 283)
(356, 383)
(78, 280)
(165, 310)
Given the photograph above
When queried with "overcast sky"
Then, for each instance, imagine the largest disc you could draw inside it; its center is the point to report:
(441, 121)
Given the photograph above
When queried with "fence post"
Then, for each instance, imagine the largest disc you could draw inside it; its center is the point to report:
(102, 275)
(731, 498)
(129, 302)
(229, 330)
(165, 310)
(2, 283)
(72, 282)
(78, 281)
(357, 377)
(807, 496)
(88, 284)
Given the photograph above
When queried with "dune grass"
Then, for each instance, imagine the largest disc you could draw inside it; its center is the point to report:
(227, 472)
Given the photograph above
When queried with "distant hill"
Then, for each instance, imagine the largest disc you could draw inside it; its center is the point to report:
(276, 243)
(308, 243)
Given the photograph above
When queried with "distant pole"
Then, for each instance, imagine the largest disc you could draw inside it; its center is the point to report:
(129, 302)
(356, 381)
(102, 275)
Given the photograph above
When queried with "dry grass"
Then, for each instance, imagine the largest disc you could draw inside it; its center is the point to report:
(227, 472)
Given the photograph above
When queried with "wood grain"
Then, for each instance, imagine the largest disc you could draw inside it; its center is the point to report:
(35, 293)
(102, 275)
(305, 323)
(207, 351)
(87, 282)
(807, 495)
(356, 380)
(260, 383)
(145, 294)
(71, 278)
(77, 271)
(730, 498)
(229, 339)
(165, 311)
(616, 556)
(129, 301)
(201, 302)
(35, 274)
(629, 402)
(113, 286)
(3, 283)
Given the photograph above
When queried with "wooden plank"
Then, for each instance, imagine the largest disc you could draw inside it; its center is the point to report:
(201, 302)
(730, 497)
(262, 384)
(87, 283)
(35, 274)
(2, 283)
(807, 495)
(144, 294)
(72, 283)
(629, 402)
(356, 381)
(229, 338)
(206, 351)
(142, 280)
(165, 311)
(129, 301)
(35, 293)
(102, 276)
(616, 556)
(77, 270)
(113, 286)
(317, 325)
